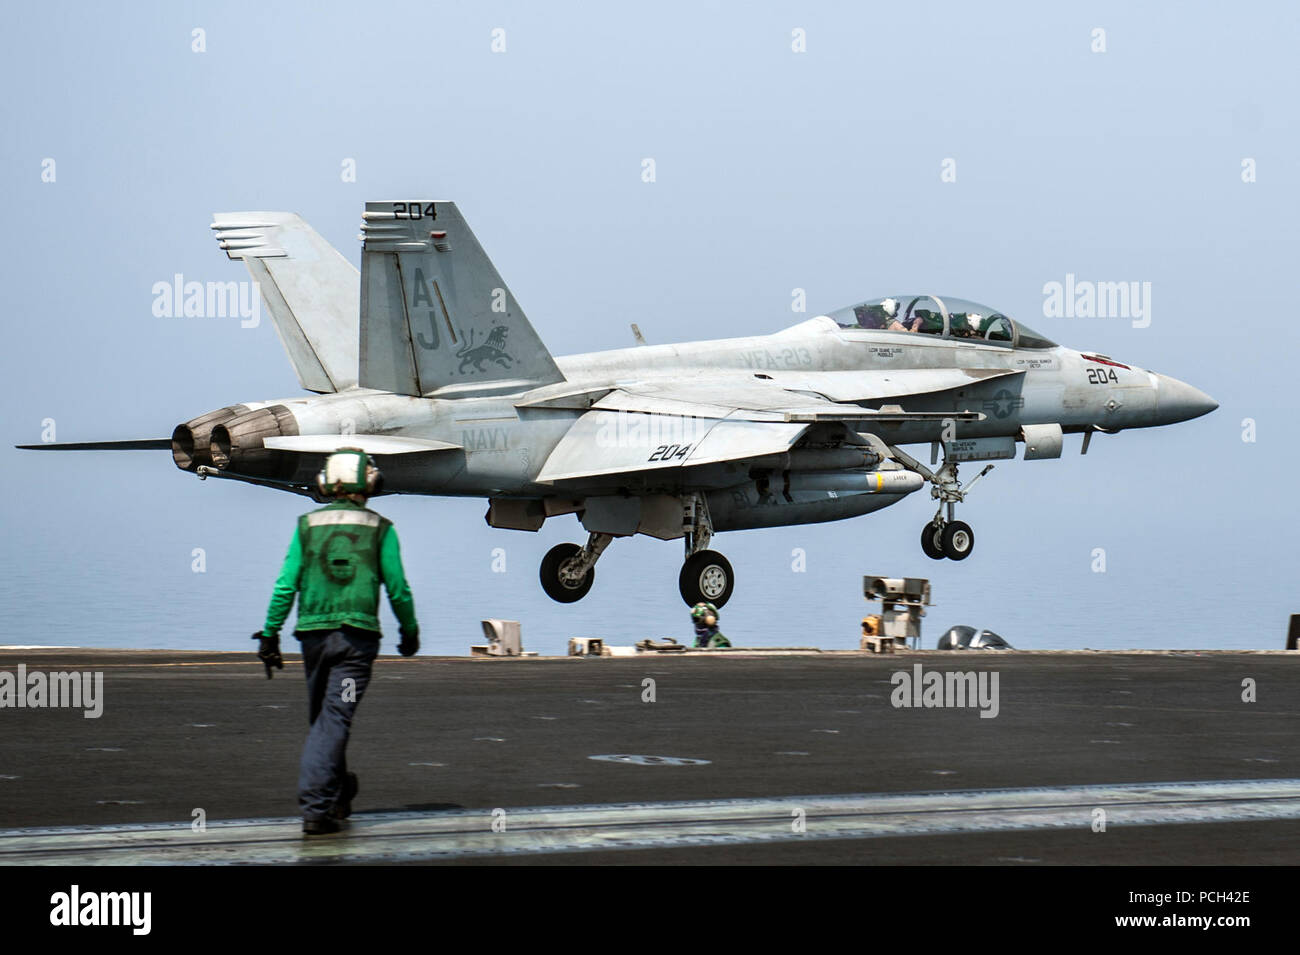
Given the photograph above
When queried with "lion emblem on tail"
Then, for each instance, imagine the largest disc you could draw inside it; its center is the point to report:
(493, 348)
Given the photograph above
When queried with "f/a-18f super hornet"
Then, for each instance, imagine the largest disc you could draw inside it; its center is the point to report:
(430, 366)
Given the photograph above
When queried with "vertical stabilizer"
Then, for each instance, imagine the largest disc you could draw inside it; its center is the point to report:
(436, 315)
(310, 290)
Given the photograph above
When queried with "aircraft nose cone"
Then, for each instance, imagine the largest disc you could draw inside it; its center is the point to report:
(1179, 401)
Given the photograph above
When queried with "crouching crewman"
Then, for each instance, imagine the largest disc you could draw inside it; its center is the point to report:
(707, 635)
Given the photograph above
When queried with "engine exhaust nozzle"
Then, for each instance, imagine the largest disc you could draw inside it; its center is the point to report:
(237, 444)
(191, 440)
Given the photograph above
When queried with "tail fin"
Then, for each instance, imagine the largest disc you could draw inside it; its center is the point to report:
(310, 290)
(435, 314)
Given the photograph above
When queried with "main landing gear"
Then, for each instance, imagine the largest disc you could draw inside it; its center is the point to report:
(568, 570)
(706, 576)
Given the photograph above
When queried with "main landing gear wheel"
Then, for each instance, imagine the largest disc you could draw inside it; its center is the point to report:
(957, 540)
(558, 587)
(931, 541)
(706, 577)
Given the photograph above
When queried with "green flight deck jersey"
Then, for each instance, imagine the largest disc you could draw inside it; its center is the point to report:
(336, 560)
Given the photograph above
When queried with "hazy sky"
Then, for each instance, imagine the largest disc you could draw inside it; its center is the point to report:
(775, 170)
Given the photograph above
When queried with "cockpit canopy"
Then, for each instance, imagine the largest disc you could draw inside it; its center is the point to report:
(945, 317)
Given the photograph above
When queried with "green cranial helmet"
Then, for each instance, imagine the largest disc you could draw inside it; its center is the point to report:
(348, 471)
(700, 609)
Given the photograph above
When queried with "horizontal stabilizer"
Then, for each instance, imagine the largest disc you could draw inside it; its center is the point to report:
(144, 444)
(369, 443)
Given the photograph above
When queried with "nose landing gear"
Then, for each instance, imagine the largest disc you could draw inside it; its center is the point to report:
(932, 540)
(958, 540)
(943, 536)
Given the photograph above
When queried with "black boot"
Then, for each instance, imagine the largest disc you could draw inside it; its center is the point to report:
(343, 807)
(319, 827)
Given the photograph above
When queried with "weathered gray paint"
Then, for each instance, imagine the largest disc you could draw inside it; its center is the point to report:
(458, 395)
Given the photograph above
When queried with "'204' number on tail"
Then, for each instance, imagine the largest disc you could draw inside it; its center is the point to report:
(413, 210)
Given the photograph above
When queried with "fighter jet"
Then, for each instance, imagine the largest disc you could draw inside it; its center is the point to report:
(428, 364)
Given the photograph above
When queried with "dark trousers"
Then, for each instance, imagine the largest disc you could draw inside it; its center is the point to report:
(332, 658)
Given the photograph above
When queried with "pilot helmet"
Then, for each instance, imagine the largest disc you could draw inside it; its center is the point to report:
(349, 471)
(890, 307)
(699, 611)
(973, 321)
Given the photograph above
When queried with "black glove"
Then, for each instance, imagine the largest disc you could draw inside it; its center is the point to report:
(268, 651)
(410, 644)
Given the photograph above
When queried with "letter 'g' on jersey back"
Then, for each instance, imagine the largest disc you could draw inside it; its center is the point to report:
(435, 313)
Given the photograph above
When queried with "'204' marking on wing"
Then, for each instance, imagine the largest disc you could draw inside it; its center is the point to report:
(668, 452)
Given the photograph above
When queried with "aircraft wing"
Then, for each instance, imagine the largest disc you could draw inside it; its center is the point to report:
(605, 442)
(770, 396)
(759, 406)
(643, 427)
(878, 385)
